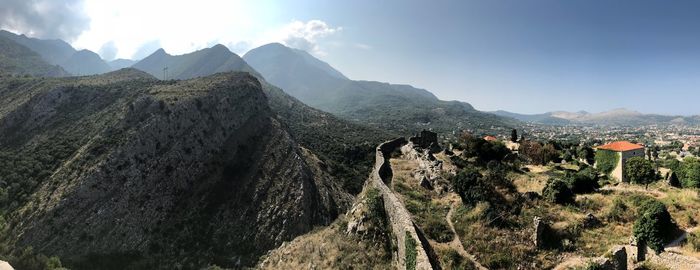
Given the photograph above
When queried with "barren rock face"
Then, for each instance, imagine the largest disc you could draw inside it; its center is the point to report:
(166, 173)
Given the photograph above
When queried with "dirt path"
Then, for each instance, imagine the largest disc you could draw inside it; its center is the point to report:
(669, 258)
(456, 243)
(639, 189)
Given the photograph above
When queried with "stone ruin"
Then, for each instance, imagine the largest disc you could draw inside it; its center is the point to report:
(429, 171)
(426, 140)
(540, 227)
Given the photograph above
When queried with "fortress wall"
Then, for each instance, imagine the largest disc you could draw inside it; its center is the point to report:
(399, 218)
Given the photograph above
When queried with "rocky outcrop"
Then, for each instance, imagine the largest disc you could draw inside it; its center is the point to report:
(167, 174)
(5, 266)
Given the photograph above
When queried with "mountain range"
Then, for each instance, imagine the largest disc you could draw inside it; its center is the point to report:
(196, 64)
(58, 52)
(401, 108)
(619, 117)
(16, 59)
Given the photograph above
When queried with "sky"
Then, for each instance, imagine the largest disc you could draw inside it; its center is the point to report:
(526, 56)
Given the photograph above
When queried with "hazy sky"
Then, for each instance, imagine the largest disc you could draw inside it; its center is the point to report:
(525, 56)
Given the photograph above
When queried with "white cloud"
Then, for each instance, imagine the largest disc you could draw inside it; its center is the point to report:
(306, 35)
(178, 26)
(44, 18)
(134, 26)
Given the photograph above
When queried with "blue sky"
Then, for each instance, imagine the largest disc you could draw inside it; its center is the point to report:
(525, 56)
(530, 56)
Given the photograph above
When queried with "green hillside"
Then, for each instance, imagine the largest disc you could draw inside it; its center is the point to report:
(16, 59)
(399, 108)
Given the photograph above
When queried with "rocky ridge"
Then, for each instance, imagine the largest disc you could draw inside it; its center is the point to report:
(163, 173)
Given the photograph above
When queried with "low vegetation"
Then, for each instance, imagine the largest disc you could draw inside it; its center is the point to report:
(654, 225)
(411, 252)
(557, 191)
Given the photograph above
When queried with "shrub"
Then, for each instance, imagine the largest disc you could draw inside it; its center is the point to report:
(557, 191)
(619, 211)
(497, 174)
(583, 181)
(469, 185)
(654, 225)
(606, 160)
(694, 241)
(639, 170)
(452, 260)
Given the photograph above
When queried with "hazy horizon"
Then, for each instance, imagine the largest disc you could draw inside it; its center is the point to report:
(526, 57)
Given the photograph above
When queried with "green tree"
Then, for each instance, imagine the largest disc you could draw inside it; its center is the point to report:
(586, 153)
(689, 172)
(550, 153)
(673, 179)
(654, 225)
(483, 150)
(558, 191)
(514, 135)
(640, 171)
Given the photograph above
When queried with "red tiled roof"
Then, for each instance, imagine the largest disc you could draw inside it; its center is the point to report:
(620, 146)
(490, 138)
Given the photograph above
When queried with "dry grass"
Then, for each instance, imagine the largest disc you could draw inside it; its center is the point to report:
(499, 248)
(329, 248)
(529, 182)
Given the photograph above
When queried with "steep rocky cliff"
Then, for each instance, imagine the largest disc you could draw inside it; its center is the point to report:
(139, 173)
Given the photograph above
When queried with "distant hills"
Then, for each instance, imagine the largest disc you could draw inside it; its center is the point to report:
(16, 59)
(121, 63)
(196, 64)
(396, 108)
(620, 117)
(58, 52)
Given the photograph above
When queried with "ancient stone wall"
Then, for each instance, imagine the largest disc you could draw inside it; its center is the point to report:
(399, 218)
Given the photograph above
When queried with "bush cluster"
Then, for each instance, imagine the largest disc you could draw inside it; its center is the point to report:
(484, 151)
(583, 181)
(654, 225)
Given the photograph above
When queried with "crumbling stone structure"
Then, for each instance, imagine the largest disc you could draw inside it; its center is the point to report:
(400, 219)
(426, 139)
